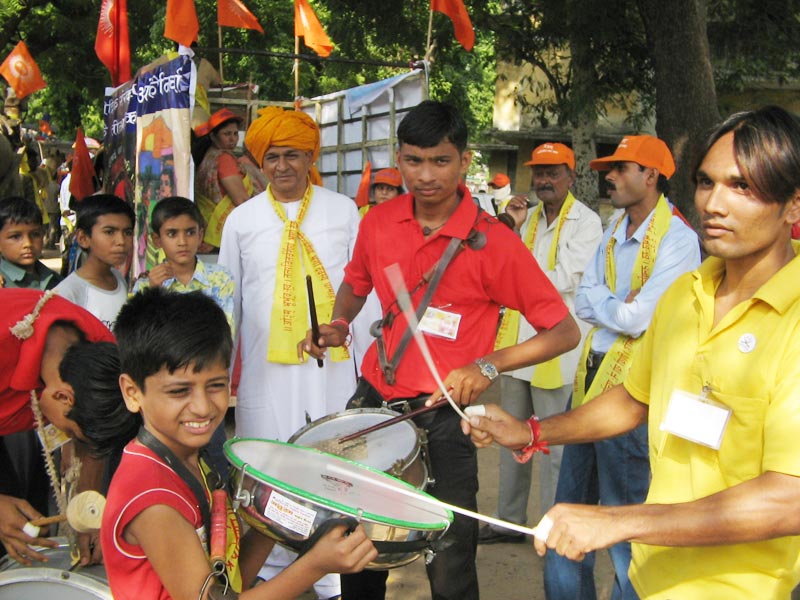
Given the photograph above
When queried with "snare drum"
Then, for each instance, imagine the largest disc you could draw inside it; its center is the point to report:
(400, 449)
(52, 579)
(287, 491)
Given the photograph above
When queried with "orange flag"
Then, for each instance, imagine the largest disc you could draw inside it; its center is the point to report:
(81, 182)
(362, 195)
(307, 26)
(233, 13)
(21, 71)
(462, 24)
(181, 23)
(112, 45)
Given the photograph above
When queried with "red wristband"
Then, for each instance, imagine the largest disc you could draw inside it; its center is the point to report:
(340, 321)
(523, 455)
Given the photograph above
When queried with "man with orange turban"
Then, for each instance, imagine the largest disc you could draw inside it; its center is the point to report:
(270, 243)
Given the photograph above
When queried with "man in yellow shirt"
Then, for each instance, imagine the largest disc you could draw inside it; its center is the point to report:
(716, 380)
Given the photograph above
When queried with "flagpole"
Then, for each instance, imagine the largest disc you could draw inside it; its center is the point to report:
(221, 75)
(430, 32)
(296, 68)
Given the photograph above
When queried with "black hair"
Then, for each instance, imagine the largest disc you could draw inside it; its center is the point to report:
(171, 207)
(18, 210)
(430, 123)
(93, 207)
(766, 147)
(92, 369)
(159, 329)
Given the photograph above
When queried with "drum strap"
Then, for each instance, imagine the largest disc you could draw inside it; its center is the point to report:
(150, 441)
(475, 240)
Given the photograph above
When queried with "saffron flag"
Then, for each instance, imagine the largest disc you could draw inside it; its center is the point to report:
(362, 195)
(21, 71)
(112, 45)
(233, 13)
(181, 23)
(81, 183)
(307, 26)
(462, 24)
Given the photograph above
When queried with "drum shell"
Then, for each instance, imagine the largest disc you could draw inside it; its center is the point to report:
(410, 466)
(258, 493)
(52, 579)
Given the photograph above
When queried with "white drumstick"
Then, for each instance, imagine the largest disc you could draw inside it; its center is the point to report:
(540, 532)
(395, 277)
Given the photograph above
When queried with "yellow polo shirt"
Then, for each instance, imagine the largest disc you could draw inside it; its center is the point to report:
(751, 361)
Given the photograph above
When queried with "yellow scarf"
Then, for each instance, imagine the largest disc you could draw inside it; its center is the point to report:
(617, 363)
(290, 320)
(547, 375)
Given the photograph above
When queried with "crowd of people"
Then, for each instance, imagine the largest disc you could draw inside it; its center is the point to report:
(657, 386)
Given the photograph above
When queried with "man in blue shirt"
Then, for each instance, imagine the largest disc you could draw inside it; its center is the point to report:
(641, 254)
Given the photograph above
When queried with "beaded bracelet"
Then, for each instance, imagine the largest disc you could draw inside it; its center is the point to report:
(523, 455)
(340, 321)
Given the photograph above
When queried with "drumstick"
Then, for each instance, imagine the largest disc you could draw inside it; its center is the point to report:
(312, 308)
(42, 521)
(395, 277)
(393, 420)
(540, 532)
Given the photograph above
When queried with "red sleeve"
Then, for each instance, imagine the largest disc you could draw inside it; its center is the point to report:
(227, 166)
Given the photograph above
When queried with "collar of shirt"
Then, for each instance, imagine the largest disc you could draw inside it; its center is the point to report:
(780, 292)
(199, 275)
(458, 225)
(638, 235)
(17, 274)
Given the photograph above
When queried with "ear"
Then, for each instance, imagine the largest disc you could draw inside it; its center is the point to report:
(130, 393)
(83, 238)
(65, 395)
(792, 210)
(156, 239)
(466, 161)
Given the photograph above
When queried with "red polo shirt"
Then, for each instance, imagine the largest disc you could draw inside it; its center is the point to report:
(21, 360)
(474, 286)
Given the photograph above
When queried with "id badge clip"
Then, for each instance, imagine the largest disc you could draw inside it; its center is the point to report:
(696, 418)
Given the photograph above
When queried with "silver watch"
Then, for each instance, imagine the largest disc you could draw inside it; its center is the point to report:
(488, 370)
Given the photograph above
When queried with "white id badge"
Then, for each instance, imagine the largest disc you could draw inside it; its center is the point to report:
(696, 418)
(440, 323)
(55, 437)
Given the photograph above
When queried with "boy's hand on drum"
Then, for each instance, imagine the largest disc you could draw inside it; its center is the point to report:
(330, 336)
(89, 548)
(14, 514)
(340, 552)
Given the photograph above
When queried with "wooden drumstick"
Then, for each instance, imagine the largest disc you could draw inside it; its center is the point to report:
(42, 521)
(312, 309)
(540, 532)
(388, 422)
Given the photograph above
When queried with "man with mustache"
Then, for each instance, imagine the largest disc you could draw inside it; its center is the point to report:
(563, 235)
(640, 255)
(720, 396)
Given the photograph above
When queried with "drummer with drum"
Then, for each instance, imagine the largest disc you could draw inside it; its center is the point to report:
(460, 266)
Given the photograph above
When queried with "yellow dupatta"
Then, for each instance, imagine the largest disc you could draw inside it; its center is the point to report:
(547, 375)
(616, 364)
(290, 320)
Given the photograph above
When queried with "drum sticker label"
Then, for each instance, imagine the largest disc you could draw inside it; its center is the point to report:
(289, 514)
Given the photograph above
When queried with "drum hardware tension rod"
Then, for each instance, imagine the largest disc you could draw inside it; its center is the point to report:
(540, 532)
(242, 496)
(405, 416)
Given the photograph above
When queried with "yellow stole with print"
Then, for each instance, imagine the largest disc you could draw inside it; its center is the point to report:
(547, 375)
(617, 362)
(290, 320)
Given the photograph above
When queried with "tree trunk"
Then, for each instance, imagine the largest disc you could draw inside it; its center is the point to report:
(686, 99)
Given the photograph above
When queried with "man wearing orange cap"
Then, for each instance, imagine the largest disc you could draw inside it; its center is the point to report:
(563, 235)
(270, 243)
(639, 257)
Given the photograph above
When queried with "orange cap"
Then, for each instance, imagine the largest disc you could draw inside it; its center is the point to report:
(552, 153)
(644, 150)
(223, 115)
(389, 176)
(500, 180)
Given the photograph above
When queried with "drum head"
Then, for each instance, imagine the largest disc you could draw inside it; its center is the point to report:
(335, 483)
(379, 449)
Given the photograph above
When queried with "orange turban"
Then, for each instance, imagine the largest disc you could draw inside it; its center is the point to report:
(287, 128)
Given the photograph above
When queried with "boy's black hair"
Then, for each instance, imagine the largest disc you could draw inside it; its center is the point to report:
(92, 369)
(430, 123)
(171, 207)
(93, 207)
(159, 329)
(18, 210)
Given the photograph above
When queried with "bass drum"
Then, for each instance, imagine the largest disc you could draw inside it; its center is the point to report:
(52, 580)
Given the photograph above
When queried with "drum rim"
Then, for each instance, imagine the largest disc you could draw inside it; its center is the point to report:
(238, 463)
(49, 575)
(349, 412)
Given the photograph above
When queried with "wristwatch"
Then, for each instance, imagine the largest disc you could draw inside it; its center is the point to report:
(488, 370)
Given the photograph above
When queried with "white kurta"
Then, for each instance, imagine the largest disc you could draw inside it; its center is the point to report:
(273, 399)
